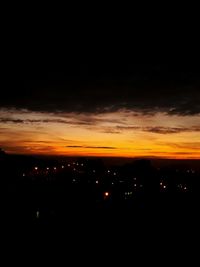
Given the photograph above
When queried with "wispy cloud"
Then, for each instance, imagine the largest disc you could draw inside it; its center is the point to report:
(93, 147)
(185, 145)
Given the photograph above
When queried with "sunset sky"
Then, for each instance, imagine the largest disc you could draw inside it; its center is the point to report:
(89, 110)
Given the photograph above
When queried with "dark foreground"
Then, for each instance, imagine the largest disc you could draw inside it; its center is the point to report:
(86, 205)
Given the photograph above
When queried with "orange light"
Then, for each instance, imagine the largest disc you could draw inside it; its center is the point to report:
(106, 194)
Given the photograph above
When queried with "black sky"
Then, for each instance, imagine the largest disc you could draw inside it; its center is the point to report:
(83, 63)
(102, 60)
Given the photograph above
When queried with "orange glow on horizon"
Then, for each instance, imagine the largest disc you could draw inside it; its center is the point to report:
(117, 134)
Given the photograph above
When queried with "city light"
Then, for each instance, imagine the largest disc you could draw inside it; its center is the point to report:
(128, 193)
(37, 214)
(36, 168)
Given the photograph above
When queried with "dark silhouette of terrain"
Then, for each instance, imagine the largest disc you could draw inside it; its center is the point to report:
(50, 191)
(92, 206)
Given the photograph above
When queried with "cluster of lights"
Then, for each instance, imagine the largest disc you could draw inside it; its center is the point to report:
(128, 193)
(182, 187)
(163, 186)
(163, 183)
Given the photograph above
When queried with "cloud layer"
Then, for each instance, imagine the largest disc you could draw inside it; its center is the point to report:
(107, 88)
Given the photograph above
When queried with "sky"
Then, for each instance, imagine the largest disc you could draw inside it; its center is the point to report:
(103, 109)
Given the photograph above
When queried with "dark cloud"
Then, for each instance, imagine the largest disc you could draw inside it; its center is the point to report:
(75, 146)
(161, 130)
(164, 130)
(143, 149)
(10, 120)
(102, 147)
(95, 147)
(110, 131)
(170, 130)
(128, 127)
(106, 87)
